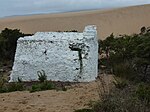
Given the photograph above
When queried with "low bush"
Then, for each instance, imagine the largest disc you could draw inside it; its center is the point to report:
(42, 86)
(143, 92)
(125, 96)
(42, 76)
(2, 82)
(11, 87)
(124, 70)
(124, 100)
(15, 87)
(8, 43)
(32, 87)
(128, 56)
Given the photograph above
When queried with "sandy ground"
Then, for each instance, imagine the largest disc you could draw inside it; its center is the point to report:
(78, 96)
(118, 21)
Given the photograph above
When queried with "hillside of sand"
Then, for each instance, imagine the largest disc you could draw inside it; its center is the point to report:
(126, 20)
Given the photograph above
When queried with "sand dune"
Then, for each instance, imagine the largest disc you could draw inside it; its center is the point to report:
(118, 21)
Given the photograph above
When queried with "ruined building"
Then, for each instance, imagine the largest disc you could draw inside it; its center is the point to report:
(61, 56)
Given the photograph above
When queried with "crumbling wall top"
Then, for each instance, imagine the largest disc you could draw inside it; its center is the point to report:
(90, 31)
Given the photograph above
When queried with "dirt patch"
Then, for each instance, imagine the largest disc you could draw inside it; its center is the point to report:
(76, 97)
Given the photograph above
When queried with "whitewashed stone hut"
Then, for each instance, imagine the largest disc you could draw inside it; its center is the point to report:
(63, 56)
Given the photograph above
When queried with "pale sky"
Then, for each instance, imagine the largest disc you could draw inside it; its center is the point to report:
(24, 7)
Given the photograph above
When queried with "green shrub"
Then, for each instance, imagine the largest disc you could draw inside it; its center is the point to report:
(128, 56)
(2, 86)
(15, 87)
(35, 87)
(8, 42)
(42, 76)
(124, 70)
(42, 86)
(12, 87)
(47, 86)
(121, 101)
(126, 97)
(107, 105)
(2, 82)
(143, 92)
(3, 90)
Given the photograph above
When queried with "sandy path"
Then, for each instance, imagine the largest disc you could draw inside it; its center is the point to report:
(50, 101)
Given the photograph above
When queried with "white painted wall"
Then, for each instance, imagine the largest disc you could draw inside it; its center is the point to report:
(55, 53)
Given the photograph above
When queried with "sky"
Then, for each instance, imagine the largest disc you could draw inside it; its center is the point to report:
(25, 7)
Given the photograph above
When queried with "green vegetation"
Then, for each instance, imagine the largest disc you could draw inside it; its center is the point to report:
(42, 76)
(10, 87)
(8, 43)
(42, 86)
(128, 58)
(125, 100)
(143, 93)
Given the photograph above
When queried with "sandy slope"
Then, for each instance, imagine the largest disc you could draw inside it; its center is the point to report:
(77, 96)
(49, 101)
(119, 21)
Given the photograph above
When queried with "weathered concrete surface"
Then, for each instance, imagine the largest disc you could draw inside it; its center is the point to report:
(63, 56)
